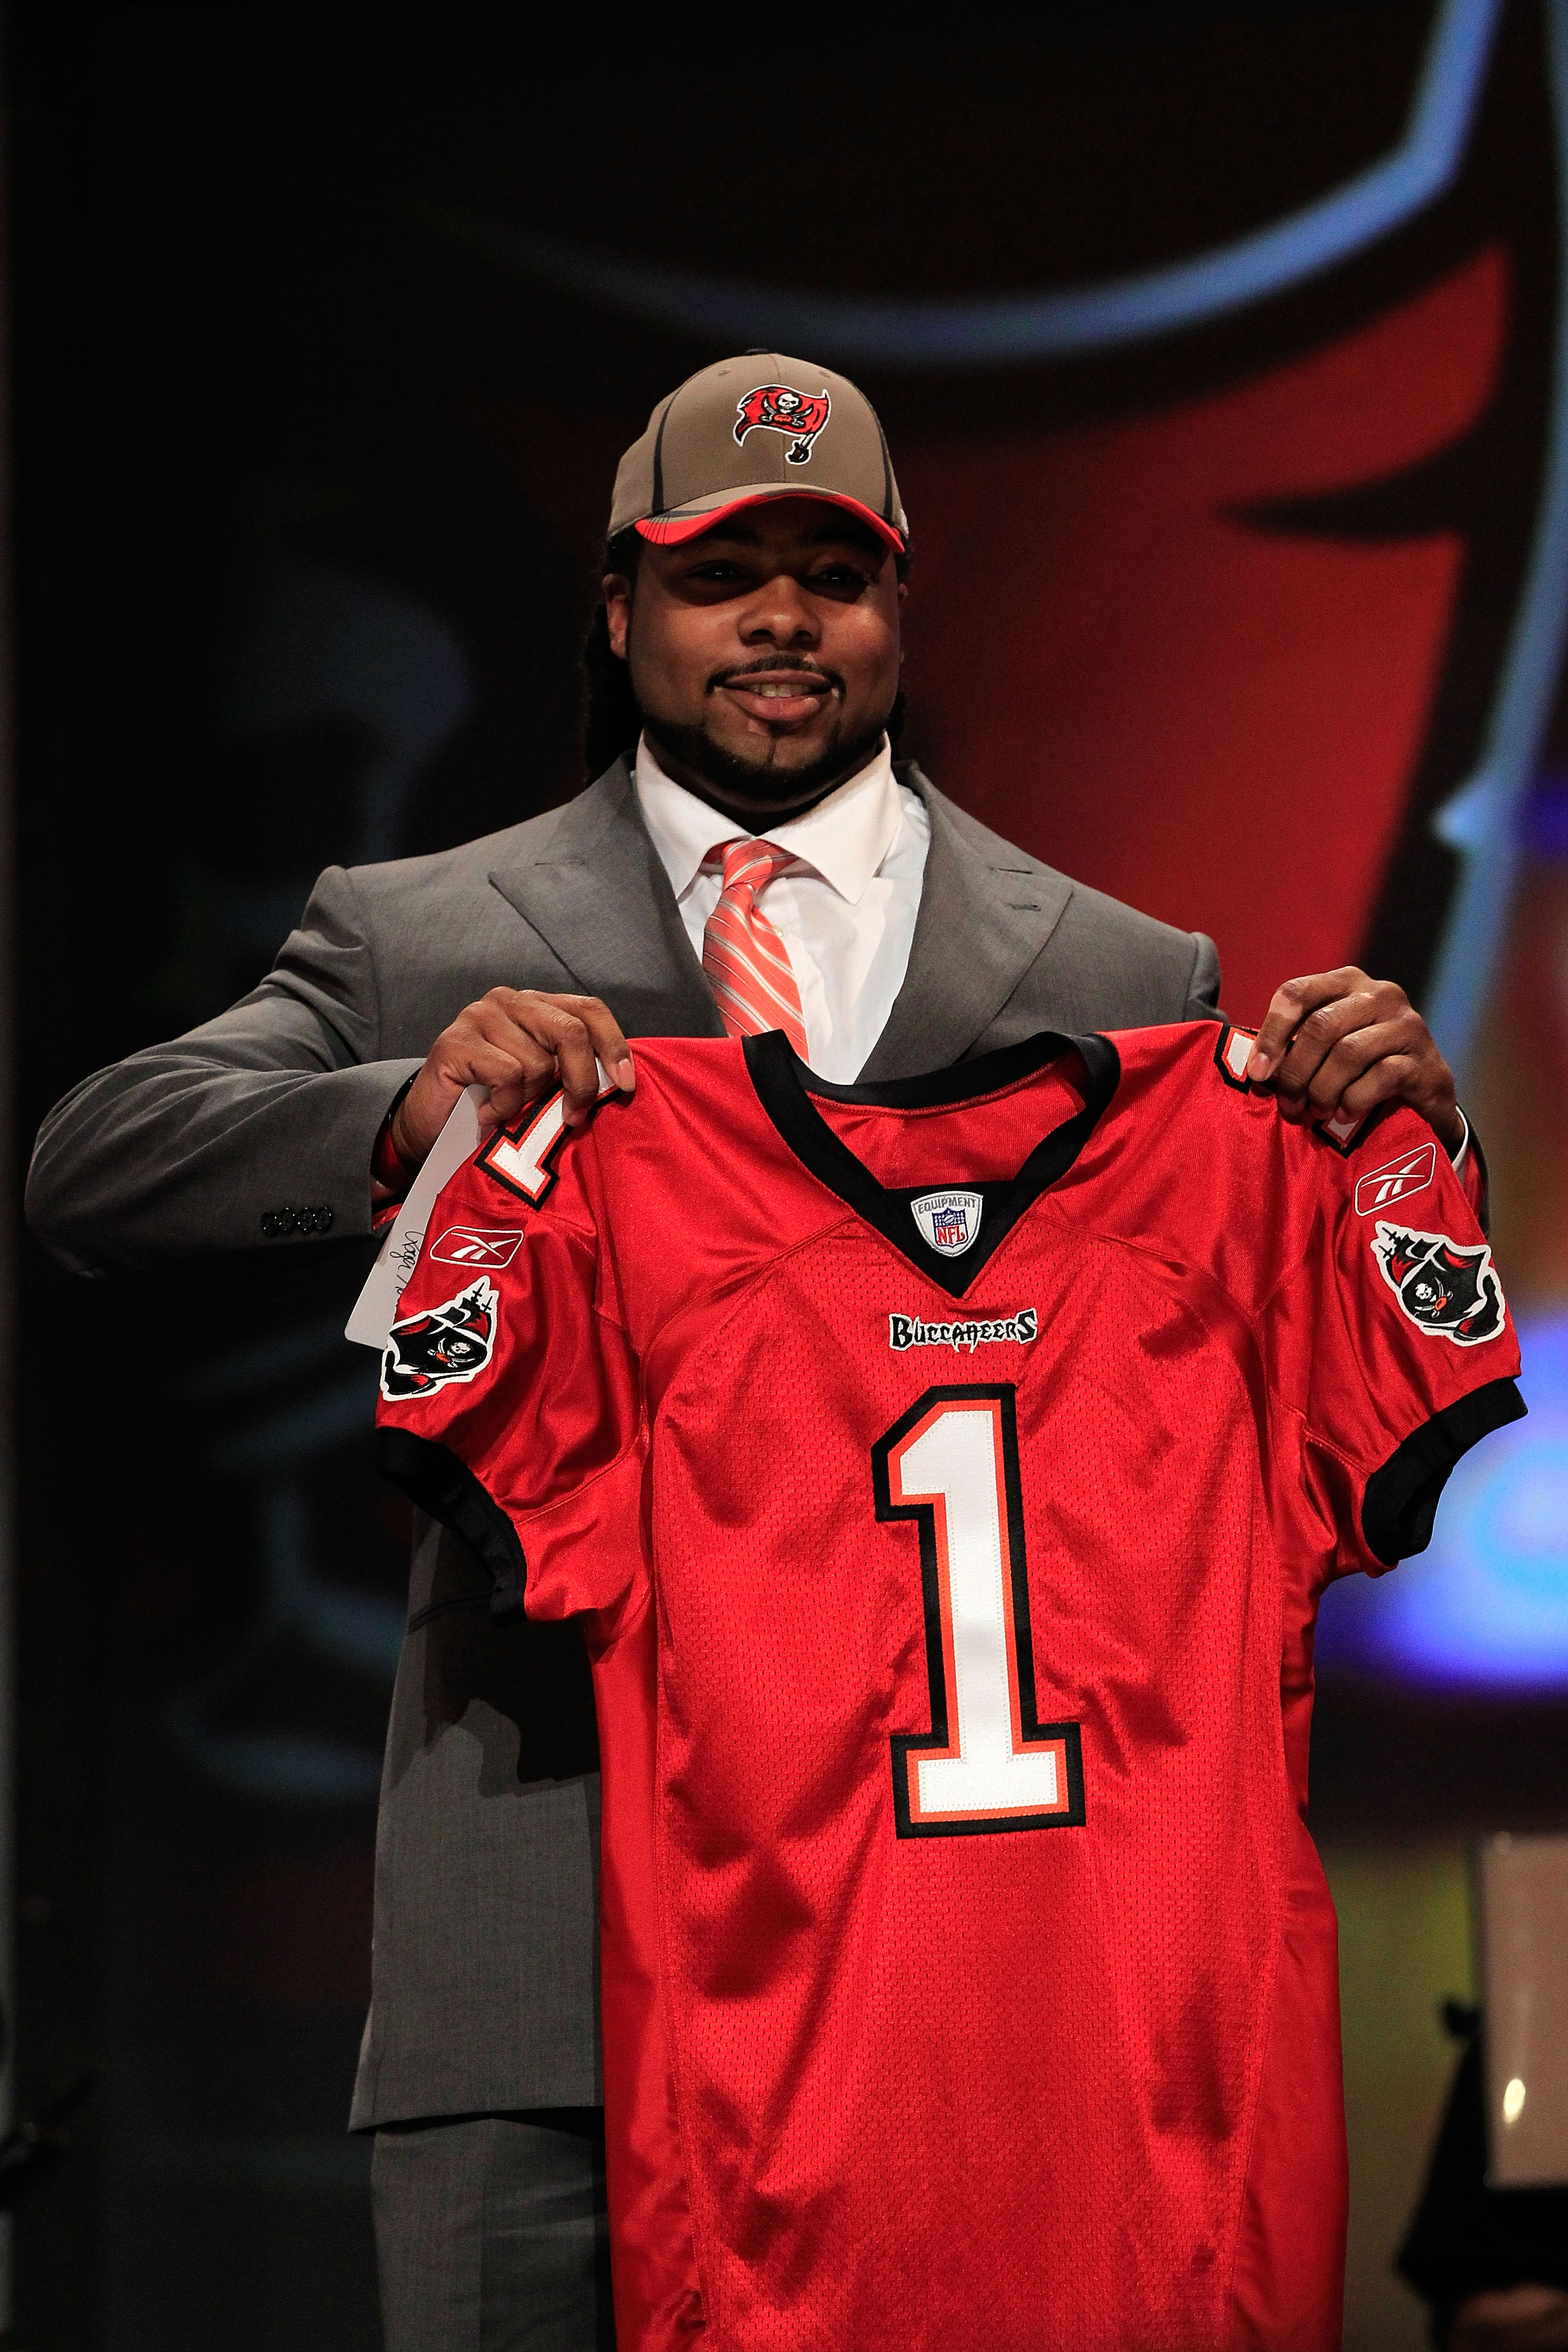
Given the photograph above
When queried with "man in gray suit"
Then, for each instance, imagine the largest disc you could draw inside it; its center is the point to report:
(744, 672)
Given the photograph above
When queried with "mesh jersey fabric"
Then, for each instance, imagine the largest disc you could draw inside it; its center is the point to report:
(946, 1473)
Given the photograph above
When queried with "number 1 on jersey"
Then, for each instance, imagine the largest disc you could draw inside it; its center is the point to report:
(951, 1463)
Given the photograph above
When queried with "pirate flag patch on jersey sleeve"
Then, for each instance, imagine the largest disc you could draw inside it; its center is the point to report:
(453, 1341)
(1443, 1288)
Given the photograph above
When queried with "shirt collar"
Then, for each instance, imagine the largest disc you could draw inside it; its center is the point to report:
(844, 838)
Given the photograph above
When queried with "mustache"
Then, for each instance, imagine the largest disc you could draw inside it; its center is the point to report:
(767, 663)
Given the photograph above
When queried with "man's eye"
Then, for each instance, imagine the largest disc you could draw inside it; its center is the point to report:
(838, 575)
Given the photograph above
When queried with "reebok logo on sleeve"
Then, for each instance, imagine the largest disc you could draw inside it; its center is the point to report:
(1395, 1179)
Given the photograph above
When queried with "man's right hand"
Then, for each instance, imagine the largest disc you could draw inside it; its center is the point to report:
(519, 1043)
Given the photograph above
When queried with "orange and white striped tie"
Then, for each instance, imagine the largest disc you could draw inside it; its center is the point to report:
(747, 964)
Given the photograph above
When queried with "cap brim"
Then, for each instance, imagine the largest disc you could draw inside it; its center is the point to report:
(672, 529)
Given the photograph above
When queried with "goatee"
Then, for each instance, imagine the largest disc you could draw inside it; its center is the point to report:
(740, 783)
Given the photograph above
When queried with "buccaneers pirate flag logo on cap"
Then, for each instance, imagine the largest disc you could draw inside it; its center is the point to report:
(801, 414)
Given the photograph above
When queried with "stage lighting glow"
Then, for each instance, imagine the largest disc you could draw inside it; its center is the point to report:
(1486, 1607)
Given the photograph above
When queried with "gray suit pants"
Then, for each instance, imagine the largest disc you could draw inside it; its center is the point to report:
(491, 2234)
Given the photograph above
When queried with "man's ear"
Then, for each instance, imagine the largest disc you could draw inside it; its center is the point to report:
(617, 589)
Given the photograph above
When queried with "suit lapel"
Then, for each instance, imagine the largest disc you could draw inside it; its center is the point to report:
(982, 923)
(597, 895)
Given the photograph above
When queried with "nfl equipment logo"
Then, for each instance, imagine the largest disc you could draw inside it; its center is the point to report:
(948, 1222)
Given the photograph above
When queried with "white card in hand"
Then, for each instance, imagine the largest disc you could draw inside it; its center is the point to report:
(375, 1309)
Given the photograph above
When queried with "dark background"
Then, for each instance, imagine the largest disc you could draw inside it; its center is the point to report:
(309, 489)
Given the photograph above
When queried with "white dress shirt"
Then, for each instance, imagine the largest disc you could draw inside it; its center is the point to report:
(845, 908)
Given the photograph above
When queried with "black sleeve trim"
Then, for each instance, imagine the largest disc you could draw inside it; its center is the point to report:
(432, 1476)
(1401, 1499)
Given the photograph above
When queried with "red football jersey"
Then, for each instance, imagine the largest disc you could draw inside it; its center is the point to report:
(946, 1473)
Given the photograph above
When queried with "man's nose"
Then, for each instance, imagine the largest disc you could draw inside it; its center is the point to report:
(779, 614)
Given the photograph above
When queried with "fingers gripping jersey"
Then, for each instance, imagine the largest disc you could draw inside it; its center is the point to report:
(946, 1474)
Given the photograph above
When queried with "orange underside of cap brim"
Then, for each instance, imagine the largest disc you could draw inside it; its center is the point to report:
(671, 531)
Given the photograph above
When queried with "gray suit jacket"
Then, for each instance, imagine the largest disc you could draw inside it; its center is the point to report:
(485, 1953)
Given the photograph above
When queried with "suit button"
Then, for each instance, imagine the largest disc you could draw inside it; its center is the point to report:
(277, 1223)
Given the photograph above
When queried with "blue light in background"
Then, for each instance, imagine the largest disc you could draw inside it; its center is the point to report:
(1486, 1606)
(1543, 820)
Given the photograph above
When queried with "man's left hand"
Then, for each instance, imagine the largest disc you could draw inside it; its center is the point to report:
(1341, 1042)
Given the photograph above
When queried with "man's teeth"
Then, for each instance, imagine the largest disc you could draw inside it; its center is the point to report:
(778, 693)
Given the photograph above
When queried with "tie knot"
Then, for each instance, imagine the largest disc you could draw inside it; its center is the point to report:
(752, 865)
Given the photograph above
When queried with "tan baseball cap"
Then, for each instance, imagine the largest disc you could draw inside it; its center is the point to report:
(760, 426)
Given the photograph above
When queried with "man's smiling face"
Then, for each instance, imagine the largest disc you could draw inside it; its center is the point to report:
(763, 655)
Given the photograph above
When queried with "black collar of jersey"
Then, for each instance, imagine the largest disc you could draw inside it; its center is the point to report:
(784, 1088)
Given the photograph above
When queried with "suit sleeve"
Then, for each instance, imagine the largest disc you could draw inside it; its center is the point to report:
(1203, 980)
(186, 1148)
(509, 1400)
(1394, 1336)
